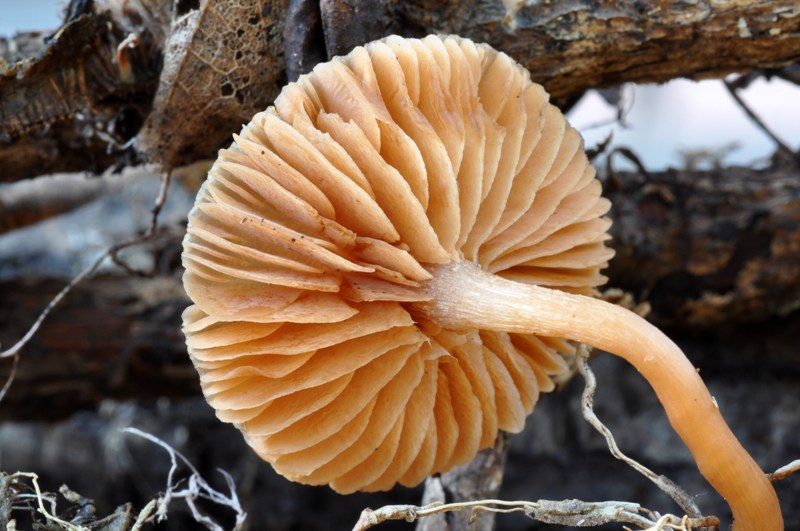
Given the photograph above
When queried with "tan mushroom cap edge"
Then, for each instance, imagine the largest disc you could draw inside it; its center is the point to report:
(309, 242)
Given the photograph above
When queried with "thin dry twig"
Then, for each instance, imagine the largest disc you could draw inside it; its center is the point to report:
(143, 516)
(11, 375)
(732, 89)
(151, 233)
(666, 485)
(614, 181)
(197, 488)
(564, 512)
(785, 471)
(34, 478)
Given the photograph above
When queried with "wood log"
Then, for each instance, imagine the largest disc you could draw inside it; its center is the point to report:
(110, 338)
(709, 248)
(83, 102)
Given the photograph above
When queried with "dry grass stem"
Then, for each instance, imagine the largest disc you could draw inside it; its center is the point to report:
(40, 499)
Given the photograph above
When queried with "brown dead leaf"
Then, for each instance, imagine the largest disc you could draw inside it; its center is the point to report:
(223, 61)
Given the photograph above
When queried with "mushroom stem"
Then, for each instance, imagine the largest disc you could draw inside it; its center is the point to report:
(464, 296)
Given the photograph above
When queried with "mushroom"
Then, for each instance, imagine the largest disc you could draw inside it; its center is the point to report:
(386, 267)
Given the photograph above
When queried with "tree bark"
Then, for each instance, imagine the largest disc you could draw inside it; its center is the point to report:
(573, 45)
(709, 248)
(91, 97)
(111, 338)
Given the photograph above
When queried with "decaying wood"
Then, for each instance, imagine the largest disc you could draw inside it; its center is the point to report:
(111, 338)
(572, 45)
(709, 248)
(79, 99)
(223, 61)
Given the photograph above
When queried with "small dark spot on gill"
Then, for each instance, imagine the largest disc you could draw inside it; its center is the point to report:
(294, 239)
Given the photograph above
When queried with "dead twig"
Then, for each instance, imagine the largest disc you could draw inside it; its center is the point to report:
(564, 512)
(143, 516)
(11, 375)
(614, 180)
(150, 234)
(760, 123)
(666, 485)
(40, 498)
(785, 471)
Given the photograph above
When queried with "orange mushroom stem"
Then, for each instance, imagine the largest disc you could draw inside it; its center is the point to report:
(462, 296)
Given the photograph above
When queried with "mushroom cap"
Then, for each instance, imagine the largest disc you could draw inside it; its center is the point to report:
(313, 237)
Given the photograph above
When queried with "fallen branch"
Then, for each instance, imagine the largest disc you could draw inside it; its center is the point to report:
(569, 46)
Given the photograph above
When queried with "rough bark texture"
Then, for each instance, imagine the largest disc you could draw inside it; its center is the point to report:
(573, 45)
(91, 90)
(709, 248)
(111, 338)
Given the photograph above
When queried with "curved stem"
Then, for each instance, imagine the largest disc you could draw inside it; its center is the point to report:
(464, 296)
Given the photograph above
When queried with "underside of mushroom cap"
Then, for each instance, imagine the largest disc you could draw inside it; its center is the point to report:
(317, 229)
